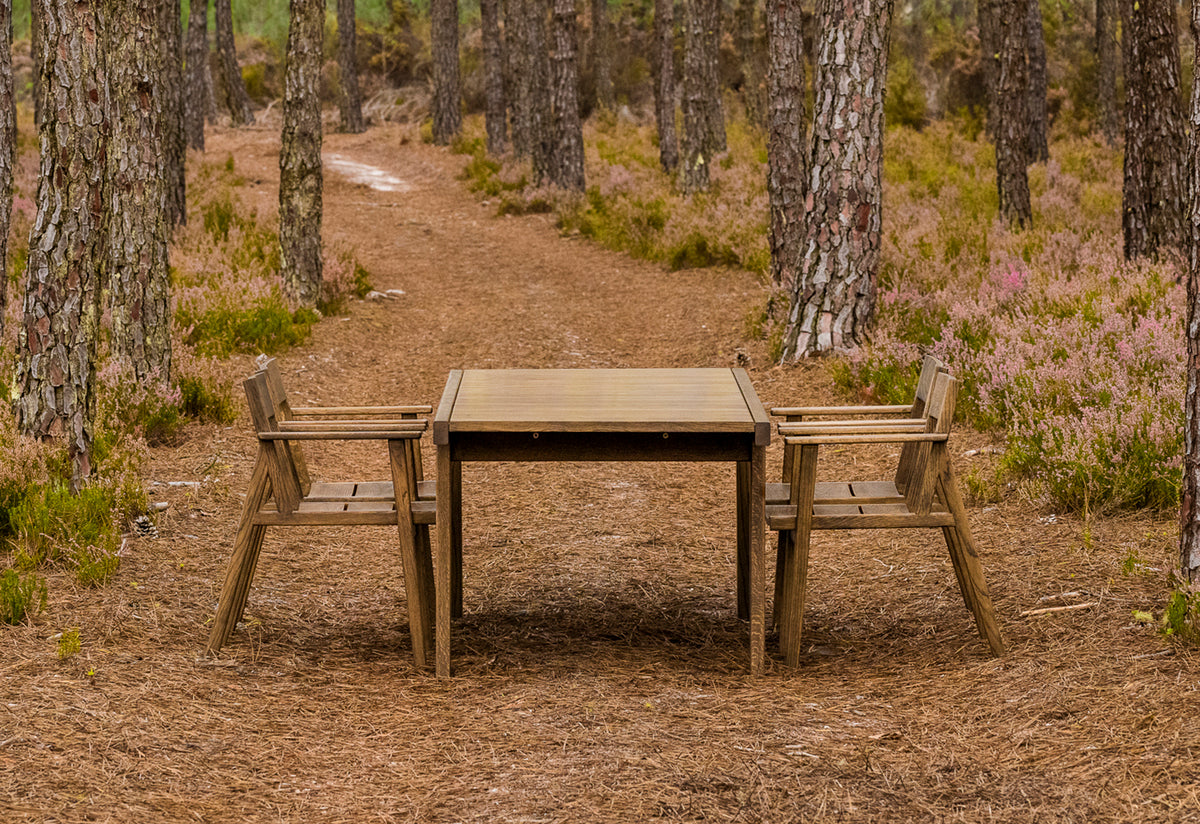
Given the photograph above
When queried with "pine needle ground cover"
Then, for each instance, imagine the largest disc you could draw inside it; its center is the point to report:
(600, 670)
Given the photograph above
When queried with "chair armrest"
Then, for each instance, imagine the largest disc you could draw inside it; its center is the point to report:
(793, 411)
(415, 425)
(852, 427)
(313, 411)
(342, 435)
(897, 437)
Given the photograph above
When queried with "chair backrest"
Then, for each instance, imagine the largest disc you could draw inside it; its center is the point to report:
(931, 367)
(926, 458)
(283, 412)
(286, 487)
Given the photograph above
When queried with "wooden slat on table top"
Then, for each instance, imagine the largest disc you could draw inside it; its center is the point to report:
(667, 400)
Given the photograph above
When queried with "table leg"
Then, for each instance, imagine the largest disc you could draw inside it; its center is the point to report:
(449, 507)
(756, 532)
(743, 539)
(456, 573)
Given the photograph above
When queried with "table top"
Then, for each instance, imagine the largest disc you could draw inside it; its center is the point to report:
(600, 400)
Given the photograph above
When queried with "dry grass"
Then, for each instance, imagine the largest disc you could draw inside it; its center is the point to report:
(600, 671)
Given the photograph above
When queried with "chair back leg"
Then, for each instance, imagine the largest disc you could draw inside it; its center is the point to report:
(967, 568)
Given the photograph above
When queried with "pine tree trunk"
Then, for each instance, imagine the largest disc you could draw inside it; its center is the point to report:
(520, 75)
(195, 95)
(710, 62)
(350, 100)
(300, 156)
(786, 158)
(69, 243)
(36, 57)
(1106, 70)
(140, 193)
(1152, 200)
(700, 138)
(447, 105)
(987, 14)
(1039, 146)
(601, 59)
(749, 55)
(1189, 513)
(1012, 117)
(8, 148)
(664, 83)
(834, 296)
(174, 138)
(231, 75)
(568, 153)
(541, 114)
(493, 70)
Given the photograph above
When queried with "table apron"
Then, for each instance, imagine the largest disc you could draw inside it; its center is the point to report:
(601, 446)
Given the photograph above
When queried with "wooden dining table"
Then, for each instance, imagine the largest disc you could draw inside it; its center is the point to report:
(602, 415)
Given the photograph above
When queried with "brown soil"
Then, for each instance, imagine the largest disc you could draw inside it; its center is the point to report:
(601, 670)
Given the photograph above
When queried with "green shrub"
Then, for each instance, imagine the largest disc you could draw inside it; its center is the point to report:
(204, 402)
(53, 525)
(1181, 618)
(267, 327)
(21, 596)
(69, 644)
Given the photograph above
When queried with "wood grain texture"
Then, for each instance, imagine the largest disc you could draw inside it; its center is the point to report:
(601, 400)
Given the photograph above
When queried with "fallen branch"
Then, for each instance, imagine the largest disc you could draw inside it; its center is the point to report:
(1047, 610)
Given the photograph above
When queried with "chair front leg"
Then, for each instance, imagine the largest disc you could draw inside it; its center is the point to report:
(417, 571)
(246, 547)
(804, 484)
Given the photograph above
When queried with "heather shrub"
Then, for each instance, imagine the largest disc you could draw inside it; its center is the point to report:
(148, 409)
(43, 524)
(1072, 355)
(205, 387)
(225, 282)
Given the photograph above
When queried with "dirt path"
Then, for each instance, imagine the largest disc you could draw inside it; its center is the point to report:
(600, 669)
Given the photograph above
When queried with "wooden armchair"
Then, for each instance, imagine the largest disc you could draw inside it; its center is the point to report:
(282, 494)
(924, 493)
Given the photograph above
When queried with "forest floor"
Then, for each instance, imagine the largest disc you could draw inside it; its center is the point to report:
(600, 671)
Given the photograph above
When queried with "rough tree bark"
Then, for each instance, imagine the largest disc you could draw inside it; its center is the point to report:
(541, 114)
(447, 94)
(231, 75)
(140, 183)
(1152, 199)
(195, 93)
(567, 170)
(174, 143)
(1039, 146)
(518, 67)
(8, 147)
(1011, 123)
(601, 59)
(350, 101)
(786, 158)
(300, 156)
(750, 56)
(1189, 513)
(1106, 69)
(987, 19)
(703, 118)
(834, 296)
(69, 242)
(493, 71)
(710, 61)
(35, 55)
(664, 83)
